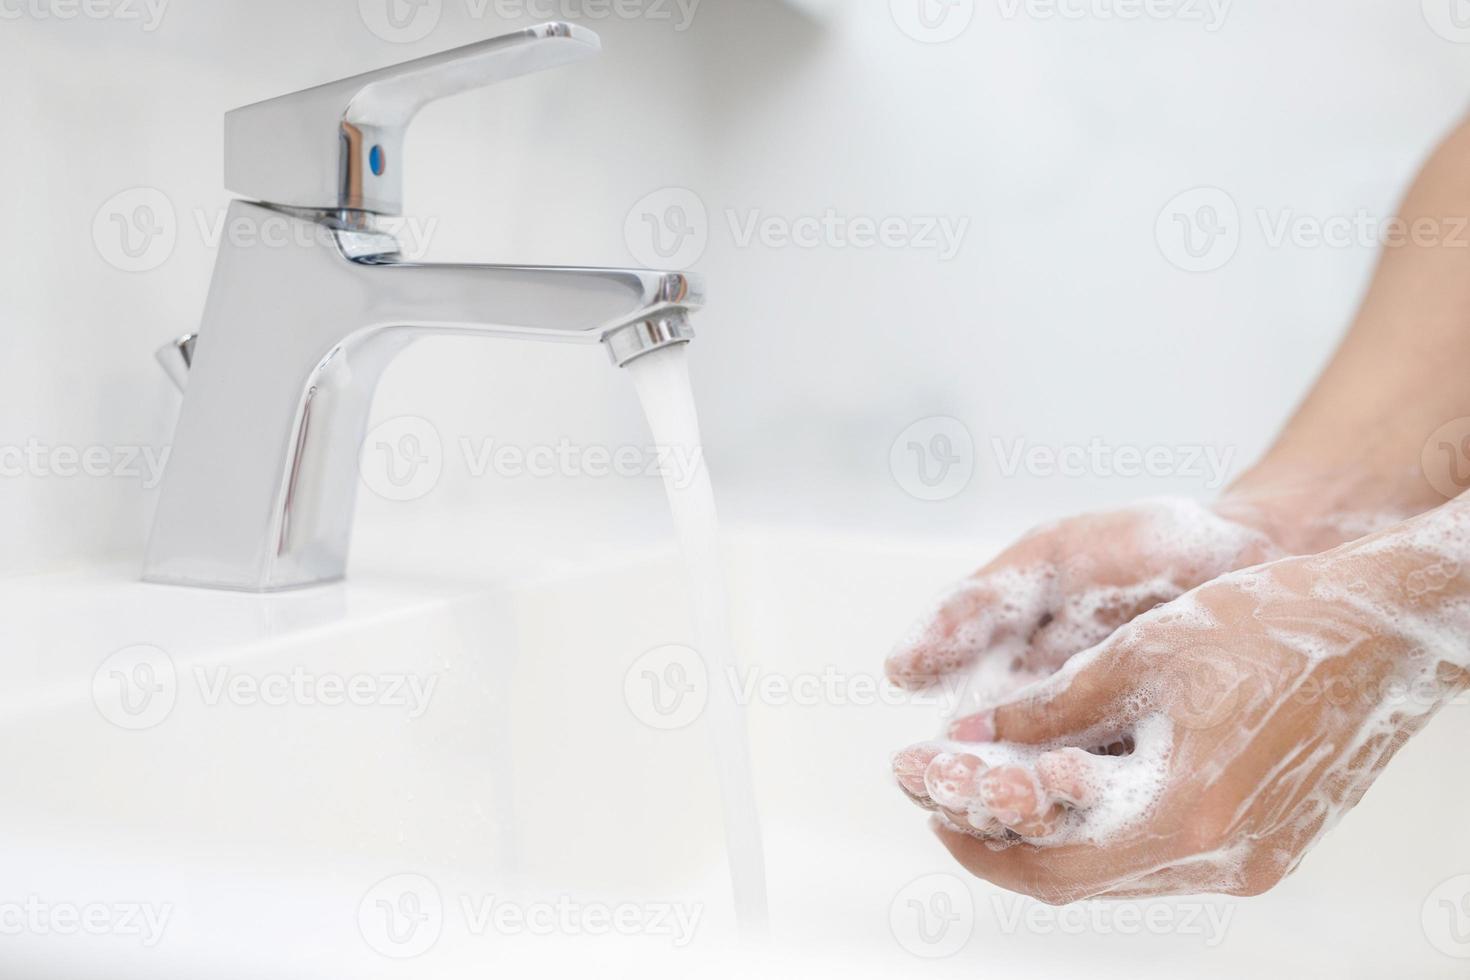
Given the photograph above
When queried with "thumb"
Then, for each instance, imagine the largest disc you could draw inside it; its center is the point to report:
(1079, 705)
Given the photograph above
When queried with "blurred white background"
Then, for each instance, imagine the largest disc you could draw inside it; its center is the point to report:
(1057, 136)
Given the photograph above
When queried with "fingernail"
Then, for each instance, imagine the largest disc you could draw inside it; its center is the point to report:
(950, 780)
(976, 728)
(997, 792)
(909, 766)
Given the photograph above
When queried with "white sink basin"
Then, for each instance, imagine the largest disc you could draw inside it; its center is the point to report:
(287, 786)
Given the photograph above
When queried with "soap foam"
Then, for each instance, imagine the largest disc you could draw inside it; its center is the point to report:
(1387, 618)
(1046, 599)
(1122, 789)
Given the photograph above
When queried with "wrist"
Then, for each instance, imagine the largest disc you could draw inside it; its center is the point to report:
(1305, 510)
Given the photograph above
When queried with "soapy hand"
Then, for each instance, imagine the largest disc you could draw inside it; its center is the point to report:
(1066, 587)
(1243, 720)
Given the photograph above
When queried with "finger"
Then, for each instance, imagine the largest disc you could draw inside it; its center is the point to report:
(1071, 776)
(1016, 798)
(995, 611)
(908, 769)
(1089, 616)
(953, 781)
(974, 728)
(1084, 704)
(1034, 804)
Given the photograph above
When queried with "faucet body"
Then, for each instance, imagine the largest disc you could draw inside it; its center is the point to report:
(260, 486)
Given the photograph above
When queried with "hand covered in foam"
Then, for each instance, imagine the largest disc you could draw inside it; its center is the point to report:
(1066, 587)
(1243, 720)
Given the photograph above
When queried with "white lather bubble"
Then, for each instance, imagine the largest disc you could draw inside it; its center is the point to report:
(1332, 618)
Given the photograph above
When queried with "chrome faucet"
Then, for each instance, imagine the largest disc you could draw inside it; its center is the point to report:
(305, 313)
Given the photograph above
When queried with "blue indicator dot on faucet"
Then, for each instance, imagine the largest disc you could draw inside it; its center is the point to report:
(376, 161)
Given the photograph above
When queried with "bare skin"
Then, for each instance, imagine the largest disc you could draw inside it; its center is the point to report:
(1357, 458)
(1287, 688)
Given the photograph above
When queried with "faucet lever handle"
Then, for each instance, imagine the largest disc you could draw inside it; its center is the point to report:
(339, 146)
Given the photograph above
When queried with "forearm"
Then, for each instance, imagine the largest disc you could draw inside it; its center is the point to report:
(1354, 447)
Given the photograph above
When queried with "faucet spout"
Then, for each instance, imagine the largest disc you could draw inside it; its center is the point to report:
(298, 328)
(563, 304)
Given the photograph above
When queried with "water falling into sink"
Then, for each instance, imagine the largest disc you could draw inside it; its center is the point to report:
(662, 380)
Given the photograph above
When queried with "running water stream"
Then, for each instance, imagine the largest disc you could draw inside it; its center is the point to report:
(662, 380)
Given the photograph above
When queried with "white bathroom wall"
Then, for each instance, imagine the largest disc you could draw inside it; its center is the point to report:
(1056, 141)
